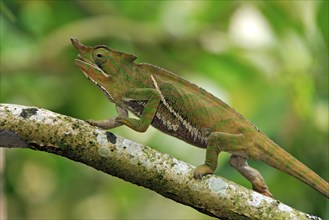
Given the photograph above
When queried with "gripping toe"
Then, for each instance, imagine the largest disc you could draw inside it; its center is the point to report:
(201, 171)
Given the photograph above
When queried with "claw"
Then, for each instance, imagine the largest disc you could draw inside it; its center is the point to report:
(263, 190)
(91, 122)
(268, 194)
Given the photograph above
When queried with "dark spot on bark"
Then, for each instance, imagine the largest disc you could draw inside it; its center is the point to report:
(111, 137)
(64, 146)
(28, 112)
(75, 126)
(11, 139)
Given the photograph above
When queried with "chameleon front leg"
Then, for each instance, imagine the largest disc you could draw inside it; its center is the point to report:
(111, 122)
(152, 97)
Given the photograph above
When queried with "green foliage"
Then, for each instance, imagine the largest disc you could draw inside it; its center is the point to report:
(269, 60)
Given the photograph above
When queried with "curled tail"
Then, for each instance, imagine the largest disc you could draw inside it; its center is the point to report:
(278, 158)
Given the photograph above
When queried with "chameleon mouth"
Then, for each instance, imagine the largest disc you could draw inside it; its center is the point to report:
(86, 66)
(79, 57)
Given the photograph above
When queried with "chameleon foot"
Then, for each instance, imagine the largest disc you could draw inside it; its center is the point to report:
(201, 171)
(257, 181)
(106, 124)
(259, 186)
(267, 193)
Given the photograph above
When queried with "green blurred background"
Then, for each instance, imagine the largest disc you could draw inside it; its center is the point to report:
(268, 60)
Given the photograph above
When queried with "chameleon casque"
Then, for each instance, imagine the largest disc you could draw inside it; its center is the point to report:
(183, 110)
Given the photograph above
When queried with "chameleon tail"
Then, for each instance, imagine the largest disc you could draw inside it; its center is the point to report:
(278, 158)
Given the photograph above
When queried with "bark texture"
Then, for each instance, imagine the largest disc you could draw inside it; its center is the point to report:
(40, 129)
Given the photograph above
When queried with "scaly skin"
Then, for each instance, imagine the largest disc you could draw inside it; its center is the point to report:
(183, 110)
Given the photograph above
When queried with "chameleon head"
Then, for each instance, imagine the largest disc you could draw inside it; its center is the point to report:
(101, 65)
(92, 61)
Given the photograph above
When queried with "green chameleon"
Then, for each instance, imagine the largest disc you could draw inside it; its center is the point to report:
(183, 110)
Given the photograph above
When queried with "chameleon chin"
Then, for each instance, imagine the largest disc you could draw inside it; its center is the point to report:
(183, 110)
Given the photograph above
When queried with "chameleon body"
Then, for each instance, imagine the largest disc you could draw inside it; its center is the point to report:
(183, 110)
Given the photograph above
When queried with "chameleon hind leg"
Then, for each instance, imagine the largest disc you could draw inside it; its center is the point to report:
(257, 181)
(217, 141)
(231, 143)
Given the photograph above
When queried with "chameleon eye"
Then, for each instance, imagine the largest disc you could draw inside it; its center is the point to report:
(100, 56)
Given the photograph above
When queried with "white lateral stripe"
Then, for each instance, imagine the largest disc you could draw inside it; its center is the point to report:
(192, 130)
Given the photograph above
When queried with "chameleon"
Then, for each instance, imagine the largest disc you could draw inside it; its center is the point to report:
(183, 110)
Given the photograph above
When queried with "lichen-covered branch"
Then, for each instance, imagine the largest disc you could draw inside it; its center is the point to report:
(40, 129)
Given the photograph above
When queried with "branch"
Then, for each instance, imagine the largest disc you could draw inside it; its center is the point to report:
(40, 129)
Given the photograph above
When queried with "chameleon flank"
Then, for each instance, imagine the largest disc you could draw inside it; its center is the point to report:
(183, 110)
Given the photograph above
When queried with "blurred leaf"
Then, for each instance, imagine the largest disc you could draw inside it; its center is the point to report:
(323, 23)
(7, 12)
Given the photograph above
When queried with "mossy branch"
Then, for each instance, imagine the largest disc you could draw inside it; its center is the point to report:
(40, 129)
